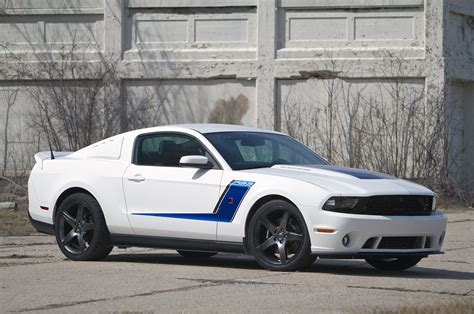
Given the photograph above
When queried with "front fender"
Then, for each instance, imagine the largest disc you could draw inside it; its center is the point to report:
(298, 192)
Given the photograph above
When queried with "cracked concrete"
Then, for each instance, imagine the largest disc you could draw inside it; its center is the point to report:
(412, 290)
(460, 248)
(462, 220)
(150, 293)
(35, 277)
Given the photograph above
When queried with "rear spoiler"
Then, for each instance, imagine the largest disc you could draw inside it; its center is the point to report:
(42, 156)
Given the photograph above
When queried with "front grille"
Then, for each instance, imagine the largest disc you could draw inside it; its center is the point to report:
(392, 205)
(400, 243)
(398, 205)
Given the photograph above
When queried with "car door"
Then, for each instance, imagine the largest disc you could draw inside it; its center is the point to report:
(165, 199)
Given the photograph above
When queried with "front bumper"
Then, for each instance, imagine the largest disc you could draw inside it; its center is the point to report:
(371, 235)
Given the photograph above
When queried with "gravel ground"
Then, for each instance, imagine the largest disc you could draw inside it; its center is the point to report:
(34, 276)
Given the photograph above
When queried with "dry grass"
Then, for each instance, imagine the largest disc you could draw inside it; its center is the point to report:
(15, 222)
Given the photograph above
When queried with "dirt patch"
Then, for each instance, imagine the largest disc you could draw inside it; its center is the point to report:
(461, 306)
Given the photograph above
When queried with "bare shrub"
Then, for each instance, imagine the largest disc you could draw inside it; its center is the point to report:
(9, 96)
(72, 100)
(390, 124)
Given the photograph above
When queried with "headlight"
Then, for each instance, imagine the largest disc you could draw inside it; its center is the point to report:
(433, 207)
(341, 203)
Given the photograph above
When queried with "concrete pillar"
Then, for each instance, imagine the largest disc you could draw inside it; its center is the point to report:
(113, 25)
(266, 12)
(114, 19)
(437, 91)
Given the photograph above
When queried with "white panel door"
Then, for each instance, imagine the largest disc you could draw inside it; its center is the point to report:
(164, 199)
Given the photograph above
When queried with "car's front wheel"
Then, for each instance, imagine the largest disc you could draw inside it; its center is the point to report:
(398, 263)
(80, 228)
(278, 237)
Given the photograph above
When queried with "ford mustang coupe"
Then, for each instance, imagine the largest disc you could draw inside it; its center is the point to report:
(205, 188)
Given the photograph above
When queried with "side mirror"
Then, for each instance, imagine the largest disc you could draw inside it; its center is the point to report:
(195, 161)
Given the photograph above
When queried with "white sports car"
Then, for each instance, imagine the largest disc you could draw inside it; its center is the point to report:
(204, 188)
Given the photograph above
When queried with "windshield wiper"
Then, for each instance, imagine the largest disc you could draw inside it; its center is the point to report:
(257, 167)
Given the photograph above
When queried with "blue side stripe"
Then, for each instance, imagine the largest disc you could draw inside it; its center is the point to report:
(226, 208)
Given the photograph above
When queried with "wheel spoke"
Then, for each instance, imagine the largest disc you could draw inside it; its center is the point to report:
(88, 226)
(294, 237)
(69, 237)
(266, 244)
(82, 242)
(69, 219)
(270, 227)
(284, 220)
(282, 251)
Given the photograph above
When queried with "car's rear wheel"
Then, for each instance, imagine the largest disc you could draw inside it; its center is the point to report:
(196, 254)
(80, 229)
(398, 263)
(278, 237)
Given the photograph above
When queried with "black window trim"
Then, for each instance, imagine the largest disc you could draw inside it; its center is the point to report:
(135, 148)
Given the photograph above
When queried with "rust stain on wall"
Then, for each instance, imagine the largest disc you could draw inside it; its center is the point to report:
(230, 111)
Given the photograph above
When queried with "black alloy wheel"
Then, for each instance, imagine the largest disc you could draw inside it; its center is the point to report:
(81, 232)
(278, 237)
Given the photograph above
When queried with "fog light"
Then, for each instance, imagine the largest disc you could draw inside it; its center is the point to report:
(346, 240)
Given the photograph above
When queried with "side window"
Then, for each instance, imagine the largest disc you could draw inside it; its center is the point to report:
(167, 149)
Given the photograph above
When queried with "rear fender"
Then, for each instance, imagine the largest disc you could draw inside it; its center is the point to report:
(42, 156)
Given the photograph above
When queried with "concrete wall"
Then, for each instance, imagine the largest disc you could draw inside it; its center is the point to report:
(191, 58)
(459, 54)
(459, 47)
(468, 139)
(23, 141)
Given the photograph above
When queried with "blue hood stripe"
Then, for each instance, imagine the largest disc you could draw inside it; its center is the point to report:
(358, 173)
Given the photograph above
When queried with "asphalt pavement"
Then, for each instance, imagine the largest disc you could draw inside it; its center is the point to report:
(36, 277)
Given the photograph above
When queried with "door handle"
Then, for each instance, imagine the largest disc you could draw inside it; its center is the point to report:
(137, 178)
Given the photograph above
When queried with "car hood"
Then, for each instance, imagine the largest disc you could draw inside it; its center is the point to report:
(346, 181)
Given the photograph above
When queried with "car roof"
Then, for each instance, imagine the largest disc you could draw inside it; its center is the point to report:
(203, 128)
(214, 128)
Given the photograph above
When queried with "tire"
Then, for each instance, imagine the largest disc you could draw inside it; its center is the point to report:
(85, 239)
(196, 254)
(399, 263)
(278, 238)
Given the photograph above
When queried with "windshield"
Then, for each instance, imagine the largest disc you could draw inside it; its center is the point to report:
(250, 150)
